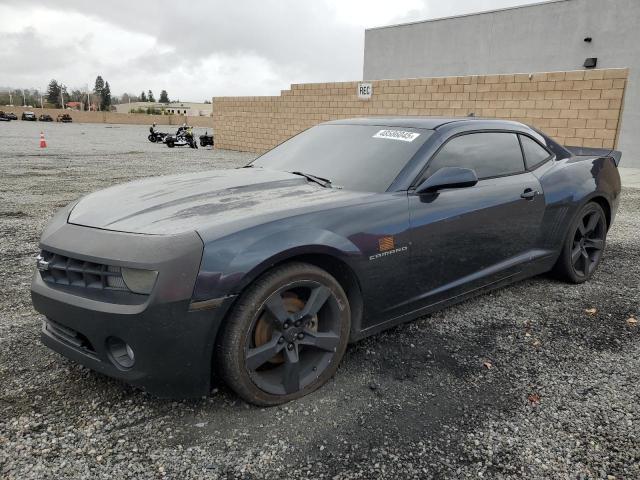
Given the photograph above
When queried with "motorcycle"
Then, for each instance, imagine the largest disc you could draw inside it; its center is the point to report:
(180, 139)
(158, 137)
(206, 140)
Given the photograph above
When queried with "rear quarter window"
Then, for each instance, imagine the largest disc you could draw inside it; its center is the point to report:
(534, 153)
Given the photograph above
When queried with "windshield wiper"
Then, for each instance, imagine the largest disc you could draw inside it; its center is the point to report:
(319, 180)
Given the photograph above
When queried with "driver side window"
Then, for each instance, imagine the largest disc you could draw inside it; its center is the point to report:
(490, 154)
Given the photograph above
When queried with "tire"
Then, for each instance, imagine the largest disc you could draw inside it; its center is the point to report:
(152, 138)
(307, 349)
(583, 246)
(170, 143)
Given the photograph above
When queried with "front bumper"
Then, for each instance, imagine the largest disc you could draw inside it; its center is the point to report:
(173, 346)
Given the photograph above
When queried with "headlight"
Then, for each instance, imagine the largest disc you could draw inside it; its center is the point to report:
(139, 281)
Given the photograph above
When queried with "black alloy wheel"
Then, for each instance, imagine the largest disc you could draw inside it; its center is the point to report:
(286, 336)
(584, 244)
(588, 243)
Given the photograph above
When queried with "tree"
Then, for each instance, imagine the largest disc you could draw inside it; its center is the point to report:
(143, 96)
(105, 100)
(76, 95)
(151, 98)
(164, 97)
(53, 93)
(98, 88)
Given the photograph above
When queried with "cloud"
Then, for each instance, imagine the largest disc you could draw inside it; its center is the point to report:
(200, 48)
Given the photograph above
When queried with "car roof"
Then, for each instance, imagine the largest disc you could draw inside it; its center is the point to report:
(428, 123)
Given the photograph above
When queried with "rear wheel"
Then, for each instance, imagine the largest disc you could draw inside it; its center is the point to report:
(286, 335)
(584, 245)
(170, 143)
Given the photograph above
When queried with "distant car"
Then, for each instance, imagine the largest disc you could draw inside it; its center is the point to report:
(265, 273)
(29, 116)
(12, 116)
(4, 117)
(45, 118)
(64, 118)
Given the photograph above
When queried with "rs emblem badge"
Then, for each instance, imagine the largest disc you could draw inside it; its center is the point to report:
(385, 244)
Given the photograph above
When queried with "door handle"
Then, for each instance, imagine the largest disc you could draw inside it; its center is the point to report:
(529, 194)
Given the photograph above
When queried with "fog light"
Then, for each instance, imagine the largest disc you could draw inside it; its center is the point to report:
(139, 281)
(121, 353)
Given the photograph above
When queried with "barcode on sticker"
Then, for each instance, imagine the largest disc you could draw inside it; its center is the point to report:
(397, 135)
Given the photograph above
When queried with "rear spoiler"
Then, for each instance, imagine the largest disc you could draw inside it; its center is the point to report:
(596, 152)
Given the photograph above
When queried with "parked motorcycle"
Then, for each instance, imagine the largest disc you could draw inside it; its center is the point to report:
(182, 138)
(157, 137)
(206, 140)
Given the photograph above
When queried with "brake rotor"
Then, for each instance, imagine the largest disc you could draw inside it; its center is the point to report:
(264, 326)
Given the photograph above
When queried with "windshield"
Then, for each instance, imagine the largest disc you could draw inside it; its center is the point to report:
(355, 157)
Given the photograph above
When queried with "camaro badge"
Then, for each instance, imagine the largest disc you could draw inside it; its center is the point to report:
(41, 263)
(387, 246)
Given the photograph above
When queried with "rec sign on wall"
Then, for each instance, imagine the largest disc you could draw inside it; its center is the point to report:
(365, 90)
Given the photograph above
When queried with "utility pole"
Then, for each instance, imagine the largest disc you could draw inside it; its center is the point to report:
(24, 100)
(62, 95)
(10, 98)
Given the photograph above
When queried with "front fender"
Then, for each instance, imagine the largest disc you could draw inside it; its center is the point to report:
(229, 265)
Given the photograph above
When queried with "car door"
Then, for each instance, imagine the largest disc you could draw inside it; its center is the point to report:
(464, 238)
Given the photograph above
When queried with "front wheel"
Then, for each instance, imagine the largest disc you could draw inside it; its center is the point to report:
(285, 336)
(584, 245)
(152, 138)
(170, 143)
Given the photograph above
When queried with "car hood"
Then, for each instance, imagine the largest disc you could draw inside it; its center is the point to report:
(180, 203)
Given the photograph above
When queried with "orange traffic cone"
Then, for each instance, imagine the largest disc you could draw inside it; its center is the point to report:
(43, 142)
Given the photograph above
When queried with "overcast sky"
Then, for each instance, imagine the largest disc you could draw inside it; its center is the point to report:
(200, 48)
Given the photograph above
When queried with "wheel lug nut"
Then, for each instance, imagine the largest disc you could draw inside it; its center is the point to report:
(286, 325)
(301, 335)
(297, 323)
(281, 340)
(290, 346)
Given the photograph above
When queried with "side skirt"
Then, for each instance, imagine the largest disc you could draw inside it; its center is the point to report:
(542, 266)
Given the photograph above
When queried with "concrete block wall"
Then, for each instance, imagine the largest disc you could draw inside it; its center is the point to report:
(579, 108)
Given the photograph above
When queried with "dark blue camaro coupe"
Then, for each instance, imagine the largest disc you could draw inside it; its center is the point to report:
(264, 274)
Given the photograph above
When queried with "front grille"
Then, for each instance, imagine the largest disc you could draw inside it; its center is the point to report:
(69, 336)
(63, 270)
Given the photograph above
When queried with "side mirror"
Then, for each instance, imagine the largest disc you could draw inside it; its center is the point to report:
(448, 177)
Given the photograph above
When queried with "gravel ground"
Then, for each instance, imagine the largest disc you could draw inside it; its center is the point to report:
(538, 380)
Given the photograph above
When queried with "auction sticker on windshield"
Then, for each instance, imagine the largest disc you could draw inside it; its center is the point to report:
(397, 135)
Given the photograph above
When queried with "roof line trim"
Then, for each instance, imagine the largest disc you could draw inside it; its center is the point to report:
(464, 15)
